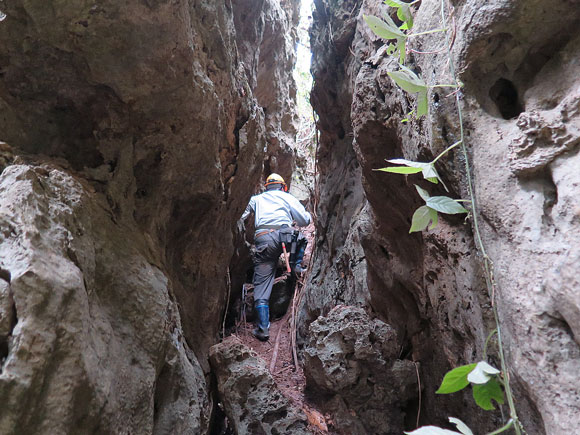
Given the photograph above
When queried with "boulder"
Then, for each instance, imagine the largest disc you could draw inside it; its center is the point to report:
(252, 401)
(353, 361)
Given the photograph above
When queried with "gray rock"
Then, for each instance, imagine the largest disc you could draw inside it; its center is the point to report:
(138, 135)
(520, 101)
(249, 393)
(96, 329)
(354, 360)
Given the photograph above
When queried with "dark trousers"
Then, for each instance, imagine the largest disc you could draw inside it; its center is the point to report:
(268, 250)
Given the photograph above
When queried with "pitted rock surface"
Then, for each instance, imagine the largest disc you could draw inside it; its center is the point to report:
(81, 356)
(518, 63)
(249, 394)
(353, 359)
(135, 135)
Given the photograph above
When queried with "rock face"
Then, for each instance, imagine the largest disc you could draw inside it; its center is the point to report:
(527, 185)
(353, 359)
(141, 131)
(249, 393)
(81, 356)
(266, 37)
(520, 101)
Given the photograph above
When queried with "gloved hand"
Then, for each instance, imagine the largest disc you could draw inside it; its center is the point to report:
(241, 226)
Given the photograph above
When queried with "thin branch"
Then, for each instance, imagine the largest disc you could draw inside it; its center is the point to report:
(419, 385)
(444, 86)
(503, 428)
(427, 52)
(427, 32)
(449, 148)
(229, 285)
(276, 347)
(491, 334)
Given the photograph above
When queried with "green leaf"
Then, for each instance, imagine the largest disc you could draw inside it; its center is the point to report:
(422, 193)
(444, 204)
(484, 393)
(385, 30)
(410, 163)
(422, 103)
(389, 21)
(429, 171)
(401, 170)
(461, 427)
(408, 80)
(432, 430)
(391, 49)
(433, 180)
(402, 47)
(455, 379)
(482, 373)
(420, 220)
(403, 12)
(394, 3)
(434, 217)
(408, 116)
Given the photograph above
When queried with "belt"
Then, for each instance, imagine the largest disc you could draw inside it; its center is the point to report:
(269, 227)
(262, 233)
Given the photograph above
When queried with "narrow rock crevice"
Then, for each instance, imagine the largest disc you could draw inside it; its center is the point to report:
(8, 317)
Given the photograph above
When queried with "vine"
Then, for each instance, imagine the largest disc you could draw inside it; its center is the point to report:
(486, 380)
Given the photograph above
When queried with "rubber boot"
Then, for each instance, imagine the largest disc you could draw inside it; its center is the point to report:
(262, 330)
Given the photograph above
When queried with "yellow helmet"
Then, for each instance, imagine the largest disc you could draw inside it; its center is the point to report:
(276, 179)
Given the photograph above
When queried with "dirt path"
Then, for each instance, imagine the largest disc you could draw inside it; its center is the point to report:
(290, 379)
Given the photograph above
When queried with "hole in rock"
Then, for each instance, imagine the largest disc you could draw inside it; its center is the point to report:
(505, 96)
(5, 275)
(3, 352)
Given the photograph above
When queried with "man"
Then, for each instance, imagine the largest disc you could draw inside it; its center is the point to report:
(274, 210)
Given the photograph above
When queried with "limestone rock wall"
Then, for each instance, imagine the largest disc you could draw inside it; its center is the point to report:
(266, 38)
(516, 60)
(135, 134)
(96, 342)
(527, 188)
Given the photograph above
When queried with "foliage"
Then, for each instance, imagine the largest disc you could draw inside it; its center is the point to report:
(387, 29)
(428, 212)
(410, 82)
(484, 381)
(456, 379)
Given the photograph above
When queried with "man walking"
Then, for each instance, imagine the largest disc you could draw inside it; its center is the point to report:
(274, 210)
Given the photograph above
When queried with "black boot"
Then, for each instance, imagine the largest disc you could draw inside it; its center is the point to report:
(262, 330)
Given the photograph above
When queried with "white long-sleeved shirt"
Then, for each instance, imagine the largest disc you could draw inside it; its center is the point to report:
(276, 207)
